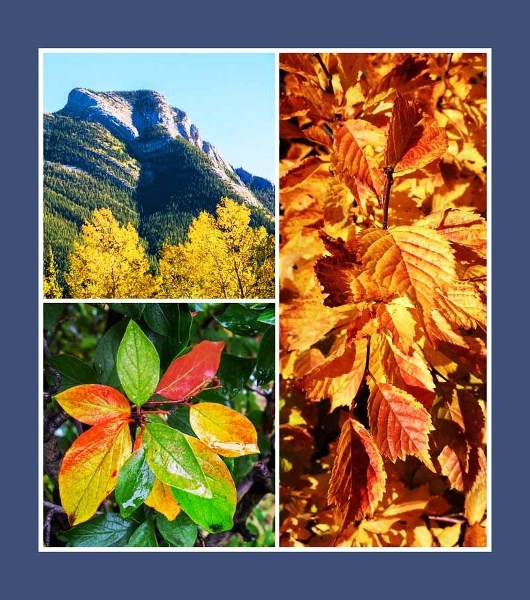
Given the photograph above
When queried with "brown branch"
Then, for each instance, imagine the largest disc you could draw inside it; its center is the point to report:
(52, 510)
(389, 172)
(329, 86)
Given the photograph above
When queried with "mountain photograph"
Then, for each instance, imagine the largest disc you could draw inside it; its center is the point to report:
(138, 204)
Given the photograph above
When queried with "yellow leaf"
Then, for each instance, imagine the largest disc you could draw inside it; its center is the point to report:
(162, 500)
(447, 536)
(224, 430)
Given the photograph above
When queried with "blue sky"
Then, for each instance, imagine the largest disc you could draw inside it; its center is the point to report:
(230, 97)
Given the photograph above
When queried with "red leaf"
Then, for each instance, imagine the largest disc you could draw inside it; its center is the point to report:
(187, 375)
(358, 477)
(405, 115)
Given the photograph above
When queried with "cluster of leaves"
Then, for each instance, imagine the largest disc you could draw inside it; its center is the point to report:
(224, 257)
(383, 283)
(162, 455)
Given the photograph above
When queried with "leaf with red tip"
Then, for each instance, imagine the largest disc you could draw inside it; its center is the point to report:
(89, 470)
(399, 424)
(94, 404)
(187, 375)
(224, 430)
(412, 142)
(358, 476)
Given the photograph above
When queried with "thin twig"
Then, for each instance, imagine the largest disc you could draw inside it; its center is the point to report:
(329, 86)
(389, 172)
(54, 423)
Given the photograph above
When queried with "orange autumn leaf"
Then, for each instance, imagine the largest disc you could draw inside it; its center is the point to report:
(224, 430)
(339, 376)
(161, 499)
(89, 470)
(94, 404)
(412, 142)
(358, 477)
(400, 425)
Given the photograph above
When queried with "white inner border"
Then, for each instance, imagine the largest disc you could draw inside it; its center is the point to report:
(276, 52)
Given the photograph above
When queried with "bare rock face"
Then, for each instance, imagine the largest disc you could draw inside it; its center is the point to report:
(147, 123)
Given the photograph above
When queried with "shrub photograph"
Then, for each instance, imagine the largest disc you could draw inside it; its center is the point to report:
(383, 300)
(158, 425)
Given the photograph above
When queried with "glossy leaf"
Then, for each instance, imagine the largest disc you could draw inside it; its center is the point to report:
(171, 320)
(266, 364)
(94, 404)
(137, 364)
(358, 477)
(180, 532)
(224, 430)
(90, 467)
(187, 375)
(135, 481)
(268, 316)
(241, 319)
(180, 419)
(130, 309)
(105, 355)
(72, 370)
(162, 500)
(144, 536)
(105, 530)
(173, 461)
(216, 513)
(234, 373)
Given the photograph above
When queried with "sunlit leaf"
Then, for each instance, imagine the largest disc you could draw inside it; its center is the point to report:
(94, 404)
(224, 430)
(137, 364)
(216, 513)
(187, 375)
(173, 461)
(90, 467)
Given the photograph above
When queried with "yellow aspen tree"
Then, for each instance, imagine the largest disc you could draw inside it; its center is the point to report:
(224, 257)
(109, 261)
(51, 287)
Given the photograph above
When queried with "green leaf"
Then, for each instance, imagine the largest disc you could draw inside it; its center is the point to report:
(268, 316)
(129, 309)
(144, 536)
(135, 481)
(234, 373)
(265, 367)
(180, 419)
(214, 514)
(240, 319)
(181, 532)
(138, 365)
(173, 461)
(172, 320)
(73, 371)
(105, 355)
(52, 313)
(104, 530)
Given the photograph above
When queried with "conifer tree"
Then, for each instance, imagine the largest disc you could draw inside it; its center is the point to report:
(51, 287)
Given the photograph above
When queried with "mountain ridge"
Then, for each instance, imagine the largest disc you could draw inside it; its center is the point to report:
(145, 160)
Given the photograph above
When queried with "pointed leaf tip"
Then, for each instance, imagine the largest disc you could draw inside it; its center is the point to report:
(187, 375)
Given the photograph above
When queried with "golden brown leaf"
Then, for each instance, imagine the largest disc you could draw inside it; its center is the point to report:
(358, 477)
(400, 425)
(339, 376)
(475, 536)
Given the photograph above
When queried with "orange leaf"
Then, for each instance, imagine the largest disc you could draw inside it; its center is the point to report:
(94, 404)
(224, 430)
(400, 425)
(408, 372)
(475, 536)
(351, 165)
(187, 375)
(161, 499)
(339, 376)
(358, 477)
(89, 470)
(412, 143)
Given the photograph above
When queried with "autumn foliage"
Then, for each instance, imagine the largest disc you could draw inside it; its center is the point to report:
(383, 299)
